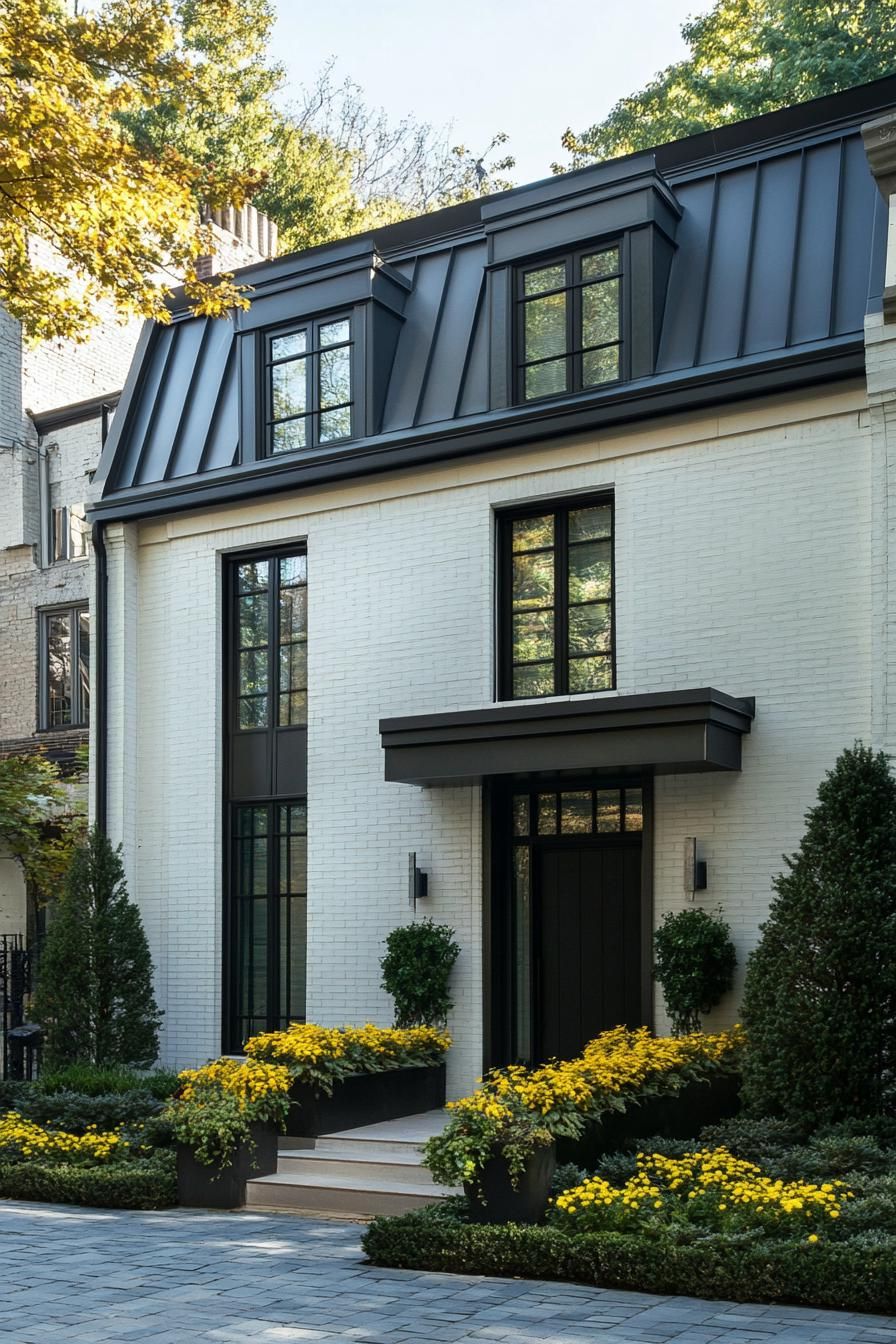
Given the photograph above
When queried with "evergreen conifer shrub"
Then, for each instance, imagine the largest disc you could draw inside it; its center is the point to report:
(94, 995)
(820, 997)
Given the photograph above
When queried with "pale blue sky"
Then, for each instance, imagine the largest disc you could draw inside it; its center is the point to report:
(527, 67)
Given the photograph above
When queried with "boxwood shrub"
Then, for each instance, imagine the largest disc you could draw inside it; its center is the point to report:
(148, 1183)
(854, 1275)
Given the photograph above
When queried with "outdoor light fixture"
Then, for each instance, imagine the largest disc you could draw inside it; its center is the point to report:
(694, 868)
(418, 882)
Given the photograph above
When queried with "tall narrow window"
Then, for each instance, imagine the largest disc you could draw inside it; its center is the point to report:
(569, 324)
(272, 640)
(268, 917)
(266, 780)
(64, 641)
(68, 533)
(557, 600)
(309, 385)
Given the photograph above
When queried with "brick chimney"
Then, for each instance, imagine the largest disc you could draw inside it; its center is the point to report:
(241, 237)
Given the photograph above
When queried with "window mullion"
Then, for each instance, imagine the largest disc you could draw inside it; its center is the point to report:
(570, 324)
(74, 644)
(273, 643)
(561, 571)
(313, 385)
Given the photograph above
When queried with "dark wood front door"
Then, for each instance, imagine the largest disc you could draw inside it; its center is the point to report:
(587, 943)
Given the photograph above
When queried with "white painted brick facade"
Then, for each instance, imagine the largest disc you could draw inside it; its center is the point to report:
(744, 561)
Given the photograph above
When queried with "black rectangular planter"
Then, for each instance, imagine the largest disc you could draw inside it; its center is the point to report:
(203, 1187)
(679, 1116)
(365, 1099)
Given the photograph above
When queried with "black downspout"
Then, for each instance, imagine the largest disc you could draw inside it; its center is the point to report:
(100, 625)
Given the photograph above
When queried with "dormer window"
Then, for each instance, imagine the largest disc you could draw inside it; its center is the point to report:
(309, 385)
(569, 323)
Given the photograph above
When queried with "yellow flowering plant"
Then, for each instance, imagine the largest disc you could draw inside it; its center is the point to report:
(709, 1188)
(321, 1056)
(22, 1140)
(215, 1106)
(516, 1107)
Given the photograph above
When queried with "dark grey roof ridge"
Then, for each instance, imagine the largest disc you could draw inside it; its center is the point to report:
(860, 101)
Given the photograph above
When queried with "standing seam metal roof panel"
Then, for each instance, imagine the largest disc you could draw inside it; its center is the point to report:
(773, 250)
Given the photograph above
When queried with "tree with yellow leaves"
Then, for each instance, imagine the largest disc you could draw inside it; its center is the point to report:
(86, 212)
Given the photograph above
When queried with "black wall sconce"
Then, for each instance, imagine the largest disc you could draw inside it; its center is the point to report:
(694, 868)
(418, 882)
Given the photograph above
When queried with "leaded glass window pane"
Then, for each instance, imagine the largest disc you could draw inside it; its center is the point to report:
(521, 814)
(575, 813)
(547, 814)
(609, 810)
(590, 674)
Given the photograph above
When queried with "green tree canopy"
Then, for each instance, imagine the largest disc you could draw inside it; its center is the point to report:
(85, 213)
(748, 57)
(39, 824)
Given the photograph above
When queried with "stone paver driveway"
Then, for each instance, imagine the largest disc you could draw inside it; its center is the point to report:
(90, 1275)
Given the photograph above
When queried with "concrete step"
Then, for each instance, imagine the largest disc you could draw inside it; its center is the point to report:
(356, 1173)
(400, 1168)
(347, 1196)
(366, 1150)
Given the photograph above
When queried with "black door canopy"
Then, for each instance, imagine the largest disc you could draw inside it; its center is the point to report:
(667, 732)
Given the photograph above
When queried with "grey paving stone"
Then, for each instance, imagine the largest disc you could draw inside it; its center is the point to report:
(187, 1277)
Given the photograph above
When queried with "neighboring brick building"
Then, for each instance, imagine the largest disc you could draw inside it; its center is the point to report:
(57, 399)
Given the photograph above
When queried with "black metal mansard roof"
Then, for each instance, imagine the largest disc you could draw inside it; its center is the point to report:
(774, 234)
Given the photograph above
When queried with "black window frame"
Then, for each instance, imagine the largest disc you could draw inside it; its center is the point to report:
(273, 646)
(560, 509)
(575, 349)
(80, 715)
(237, 1025)
(264, 768)
(313, 410)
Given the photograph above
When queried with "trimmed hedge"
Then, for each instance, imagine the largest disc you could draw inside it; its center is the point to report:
(93, 1080)
(139, 1184)
(854, 1275)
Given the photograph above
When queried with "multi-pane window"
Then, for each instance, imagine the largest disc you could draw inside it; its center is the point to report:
(557, 600)
(272, 642)
(269, 916)
(578, 812)
(569, 324)
(64, 667)
(309, 385)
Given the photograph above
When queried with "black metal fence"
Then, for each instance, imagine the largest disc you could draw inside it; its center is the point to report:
(19, 1058)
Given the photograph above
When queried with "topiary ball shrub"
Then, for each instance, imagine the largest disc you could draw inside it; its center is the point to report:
(820, 995)
(417, 970)
(694, 961)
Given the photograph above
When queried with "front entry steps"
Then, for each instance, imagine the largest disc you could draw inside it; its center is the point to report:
(357, 1173)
